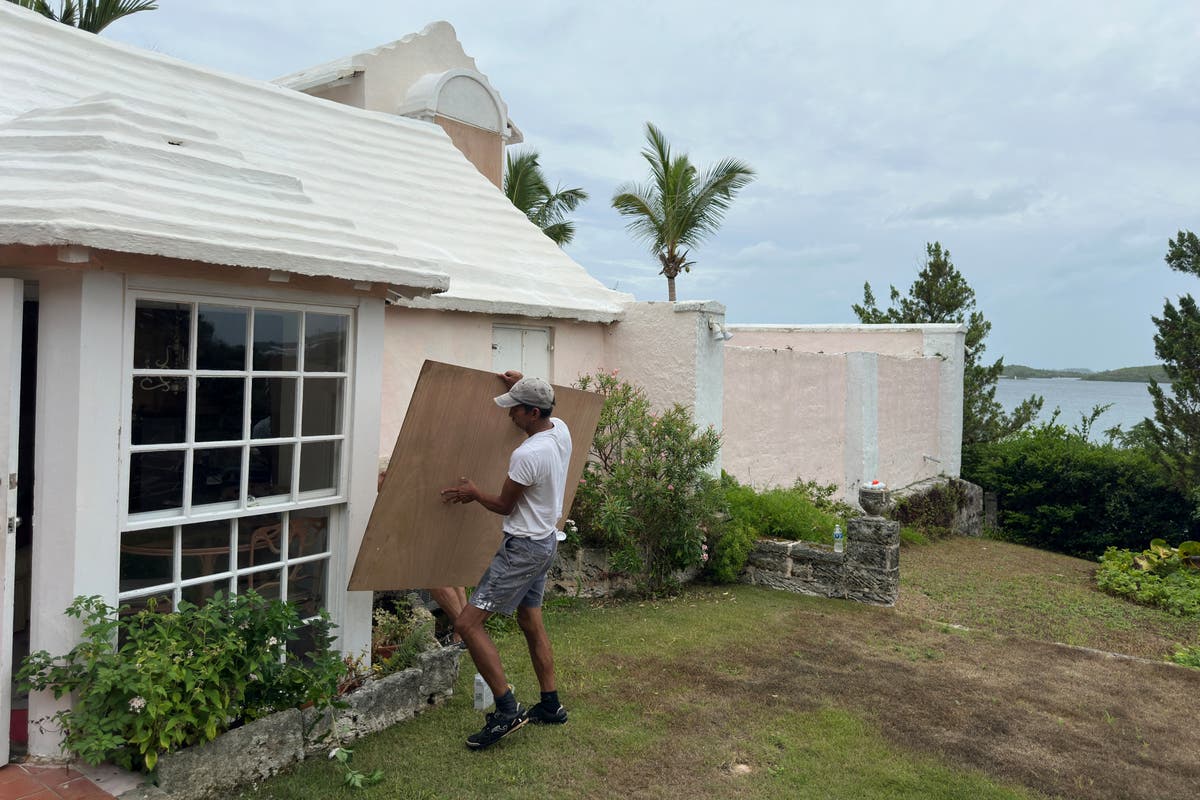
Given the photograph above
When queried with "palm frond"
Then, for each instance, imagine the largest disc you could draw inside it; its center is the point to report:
(527, 189)
(99, 14)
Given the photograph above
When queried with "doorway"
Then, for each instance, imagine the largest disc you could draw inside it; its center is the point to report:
(22, 584)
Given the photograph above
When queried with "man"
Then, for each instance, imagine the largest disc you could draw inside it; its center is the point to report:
(531, 503)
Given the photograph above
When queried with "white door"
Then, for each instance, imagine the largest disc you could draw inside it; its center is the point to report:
(12, 297)
(524, 349)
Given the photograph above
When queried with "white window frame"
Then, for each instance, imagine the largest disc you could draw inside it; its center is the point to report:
(245, 506)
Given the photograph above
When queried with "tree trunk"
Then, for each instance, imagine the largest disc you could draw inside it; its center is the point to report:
(670, 288)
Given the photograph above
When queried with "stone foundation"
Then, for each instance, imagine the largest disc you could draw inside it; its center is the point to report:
(868, 571)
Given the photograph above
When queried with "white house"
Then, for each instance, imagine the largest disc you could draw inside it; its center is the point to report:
(195, 272)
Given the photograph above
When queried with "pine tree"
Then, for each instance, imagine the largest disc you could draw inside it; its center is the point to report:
(941, 294)
(1176, 425)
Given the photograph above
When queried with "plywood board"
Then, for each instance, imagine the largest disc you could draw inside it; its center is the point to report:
(452, 429)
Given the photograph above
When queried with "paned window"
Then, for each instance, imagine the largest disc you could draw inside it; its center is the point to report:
(236, 449)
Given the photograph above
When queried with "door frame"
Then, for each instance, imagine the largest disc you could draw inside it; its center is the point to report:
(12, 302)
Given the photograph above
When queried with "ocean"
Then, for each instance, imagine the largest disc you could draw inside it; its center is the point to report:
(1131, 402)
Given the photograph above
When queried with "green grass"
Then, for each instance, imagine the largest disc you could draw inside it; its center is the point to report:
(1022, 591)
(641, 727)
(750, 693)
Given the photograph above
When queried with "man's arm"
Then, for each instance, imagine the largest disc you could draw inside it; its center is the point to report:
(466, 492)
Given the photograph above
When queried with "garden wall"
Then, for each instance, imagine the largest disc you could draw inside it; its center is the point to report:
(264, 747)
(868, 571)
(843, 404)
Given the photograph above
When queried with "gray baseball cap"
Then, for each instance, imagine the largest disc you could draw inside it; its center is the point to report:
(530, 391)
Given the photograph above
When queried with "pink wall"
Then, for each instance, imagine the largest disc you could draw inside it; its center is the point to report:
(908, 419)
(843, 404)
(897, 340)
(785, 415)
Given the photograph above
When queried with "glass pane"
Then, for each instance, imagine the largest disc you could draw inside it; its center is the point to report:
(221, 337)
(322, 406)
(205, 549)
(161, 602)
(201, 593)
(146, 558)
(306, 586)
(271, 470)
(219, 408)
(216, 475)
(265, 583)
(155, 481)
(258, 540)
(276, 339)
(308, 532)
(161, 335)
(159, 410)
(318, 466)
(272, 408)
(325, 342)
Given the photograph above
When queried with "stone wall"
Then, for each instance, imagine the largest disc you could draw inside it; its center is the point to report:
(264, 747)
(966, 519)
(868, 571)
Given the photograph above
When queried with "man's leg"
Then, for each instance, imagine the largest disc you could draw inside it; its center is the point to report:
(469, 626)
(548, 710)
(540, 652)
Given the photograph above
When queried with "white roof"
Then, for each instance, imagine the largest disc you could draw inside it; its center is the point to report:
(108, 146)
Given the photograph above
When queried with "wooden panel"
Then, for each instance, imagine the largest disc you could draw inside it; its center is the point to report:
(453, 429)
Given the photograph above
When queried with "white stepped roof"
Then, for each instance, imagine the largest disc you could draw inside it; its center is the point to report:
(107, 146)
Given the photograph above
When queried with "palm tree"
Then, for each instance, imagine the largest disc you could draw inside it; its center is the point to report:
(678, 207)
(90, 15)
(526, 187)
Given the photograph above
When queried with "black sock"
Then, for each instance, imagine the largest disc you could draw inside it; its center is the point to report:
(550, 700)
(506, 703)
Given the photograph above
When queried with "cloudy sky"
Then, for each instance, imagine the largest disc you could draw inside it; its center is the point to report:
(1052, 147)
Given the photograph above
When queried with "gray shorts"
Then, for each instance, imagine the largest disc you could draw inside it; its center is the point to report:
(516, 576)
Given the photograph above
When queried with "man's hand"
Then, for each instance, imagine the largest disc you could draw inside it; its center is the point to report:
(510, 377)
(464, 492)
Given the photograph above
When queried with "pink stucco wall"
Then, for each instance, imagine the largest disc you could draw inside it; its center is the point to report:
(784, 416)
(908, 419)
(843, 404)
(895, 340)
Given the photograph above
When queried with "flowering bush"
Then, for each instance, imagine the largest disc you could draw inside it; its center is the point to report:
(645, 494)
(147, 683)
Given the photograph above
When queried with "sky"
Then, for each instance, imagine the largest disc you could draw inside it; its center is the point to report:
(1051, 147)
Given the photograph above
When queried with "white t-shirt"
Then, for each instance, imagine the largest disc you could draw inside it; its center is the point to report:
(540, 464)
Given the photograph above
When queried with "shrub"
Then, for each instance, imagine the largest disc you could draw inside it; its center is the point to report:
(931, 514)
(805, 511)
(147, 683)
(400, 635)
(1058, 491)
(1160, 576)
(645, 495)
(1187, 656)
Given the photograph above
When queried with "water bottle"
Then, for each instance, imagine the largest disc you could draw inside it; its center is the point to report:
(837, 538)
(483, 694)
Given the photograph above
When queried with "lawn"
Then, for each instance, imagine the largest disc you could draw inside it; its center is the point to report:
(749, 693)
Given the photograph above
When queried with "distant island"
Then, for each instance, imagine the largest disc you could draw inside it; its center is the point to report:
(1125, 374)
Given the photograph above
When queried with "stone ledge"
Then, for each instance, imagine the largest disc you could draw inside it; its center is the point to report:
(266, 746)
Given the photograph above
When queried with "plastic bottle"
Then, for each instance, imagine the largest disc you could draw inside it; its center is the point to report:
(483, 694)
(837, 538)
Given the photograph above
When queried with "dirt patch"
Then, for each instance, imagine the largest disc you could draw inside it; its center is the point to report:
(1056, 719)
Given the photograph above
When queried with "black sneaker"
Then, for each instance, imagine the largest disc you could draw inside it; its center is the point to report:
(542, 714)
(497, 726)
